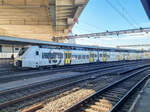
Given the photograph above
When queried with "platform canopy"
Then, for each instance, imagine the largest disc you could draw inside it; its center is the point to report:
(39, 19)
(26, 42)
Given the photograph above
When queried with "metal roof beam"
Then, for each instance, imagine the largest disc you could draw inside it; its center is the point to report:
(138, 45)
(107, 33)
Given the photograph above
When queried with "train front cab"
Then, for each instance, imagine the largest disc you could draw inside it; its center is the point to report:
(19, 60)
(67, 57)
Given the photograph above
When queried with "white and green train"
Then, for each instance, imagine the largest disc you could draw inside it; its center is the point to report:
(39, 56)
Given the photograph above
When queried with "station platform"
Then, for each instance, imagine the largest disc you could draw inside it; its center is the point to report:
(6, 64)
(143, 100)
(25, 82)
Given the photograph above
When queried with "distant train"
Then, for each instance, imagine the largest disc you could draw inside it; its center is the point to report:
(42, 56)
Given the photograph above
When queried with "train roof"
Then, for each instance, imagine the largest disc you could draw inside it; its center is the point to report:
(23, 41)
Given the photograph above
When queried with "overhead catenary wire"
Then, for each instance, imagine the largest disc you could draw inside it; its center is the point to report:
(127, 13)
(120, 13)
(82, 29)
(92, 25)
(89, 28)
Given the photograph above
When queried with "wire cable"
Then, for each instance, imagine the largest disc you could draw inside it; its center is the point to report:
(127, 13)
(82, 29)
(91, 25)
(120, 13)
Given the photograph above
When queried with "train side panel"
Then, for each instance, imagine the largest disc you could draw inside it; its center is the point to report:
(50, 57)
(80, 57)
(35, 56)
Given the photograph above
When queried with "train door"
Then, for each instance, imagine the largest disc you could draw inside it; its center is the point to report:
(128, 56)
(67, 57)
(37, 58)
(96, 56)
(119, 56)
(91, 57)
(123, 56)
(137, 56)
(104, 56)
(101, 56)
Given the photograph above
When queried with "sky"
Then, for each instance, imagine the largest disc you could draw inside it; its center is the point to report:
(112, 15)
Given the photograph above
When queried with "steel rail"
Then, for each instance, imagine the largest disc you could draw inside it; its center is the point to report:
(127, 95)
(70, 67)
(88, 99)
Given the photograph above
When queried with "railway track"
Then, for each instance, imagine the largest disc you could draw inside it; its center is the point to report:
(20, 76)
(111, 97)
(55, 69)
(23, 94)
(128, 103)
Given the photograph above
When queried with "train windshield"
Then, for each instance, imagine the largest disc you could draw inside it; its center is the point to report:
(22, 51)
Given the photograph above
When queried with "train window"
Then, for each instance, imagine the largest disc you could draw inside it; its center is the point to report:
(83, 56)
(73, 57)
(108, 56)
(79, 57)
(52, 56)
(100, 55)
(60, 55)
(104, 55)
(66, 56)
(37, 53)
(87, 56)
(76, 57)
(22, 51)
(0, 48)
(92, 55)
(46, 55)
(69, 55)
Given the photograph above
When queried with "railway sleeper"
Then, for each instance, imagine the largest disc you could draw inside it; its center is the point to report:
(117, 92)
(111, 94)
(88, 110)
(99, 108)
(100, 104)
(110, 99)
(106, 100)
(108, 105)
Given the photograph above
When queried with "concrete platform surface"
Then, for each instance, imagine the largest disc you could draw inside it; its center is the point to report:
(6, 64)
(143, 103)
(51, 77)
